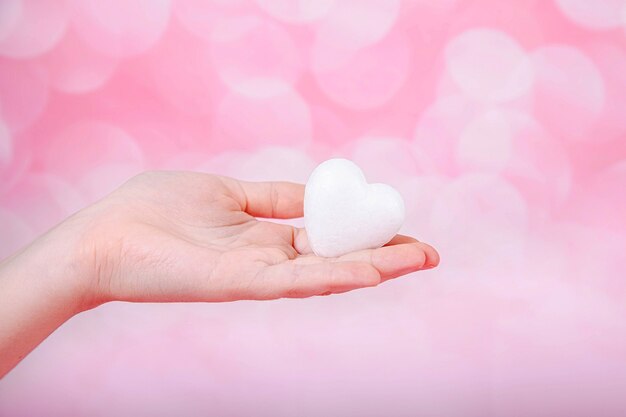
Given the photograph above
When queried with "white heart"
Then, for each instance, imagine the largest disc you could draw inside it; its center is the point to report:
(343, 213)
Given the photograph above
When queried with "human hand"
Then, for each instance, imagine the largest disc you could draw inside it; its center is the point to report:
(167, 236)
(180, 236)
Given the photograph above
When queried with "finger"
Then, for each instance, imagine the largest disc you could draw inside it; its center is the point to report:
(301, 241)
(399, 239)
(393, 261)
(432, 256)
(302, 246)
(295, 280)
(278, 200)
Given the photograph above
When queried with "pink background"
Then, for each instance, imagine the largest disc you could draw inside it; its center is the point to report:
(503, 124)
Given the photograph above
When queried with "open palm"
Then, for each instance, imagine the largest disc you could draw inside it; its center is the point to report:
(179, 236)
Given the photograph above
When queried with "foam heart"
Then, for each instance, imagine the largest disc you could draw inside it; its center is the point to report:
(343, 213)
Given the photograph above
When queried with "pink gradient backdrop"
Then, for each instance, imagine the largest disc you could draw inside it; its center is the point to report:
(503, 123)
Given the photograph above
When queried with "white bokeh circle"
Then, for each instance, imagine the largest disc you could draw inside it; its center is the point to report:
(600, 201)
(271, 163)
(253, 56)
(277, 164)
(190, 161)
(121, 28)
(440, 6)
(569, 92)
(16, 155)
(480, 221)
(10, 13)
(513, 145)
(489, 65)
(357, 23)
(283, 119)
(75, 68)
(610, 59)
(199, 17)
(596, 14)
(485, 143)
(296, 11)
(355, 78)
(33, 29)
(438, 131)
(382, 159)
(419, 192)
(43, 200)
(6, 146)
(16, 233)
(101, 180)
(85, 146)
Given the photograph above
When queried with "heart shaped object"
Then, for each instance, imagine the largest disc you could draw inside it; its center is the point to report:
(343, 213)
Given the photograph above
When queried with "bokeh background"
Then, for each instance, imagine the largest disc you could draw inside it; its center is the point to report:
(503, 124)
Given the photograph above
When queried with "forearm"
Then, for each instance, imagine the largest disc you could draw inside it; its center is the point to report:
(40, 289)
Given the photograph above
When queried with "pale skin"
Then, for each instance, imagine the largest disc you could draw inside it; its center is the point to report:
(180, 237)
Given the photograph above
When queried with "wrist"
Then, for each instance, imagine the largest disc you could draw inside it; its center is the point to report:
(58, 264)
(77, 272)
(41, 287)
(44, 268)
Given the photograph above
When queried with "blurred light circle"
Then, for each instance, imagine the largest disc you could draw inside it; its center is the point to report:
(75, 68)
(16, 233)
(6, 146)
(158, 138)
(438, 131)
(419, 192)
(10, 13)
(254, 57)
(33, 29)
(103, 179)
(597, 14)
(485, 143)
(593, 253)
(249, 122)
(272, 163)
(387, 160)
(455, 136)
(358, 80)
(440, 6)
(296, 11)
(539, 166)
(569, 93)
(480, 221)
(121, 28)
(223, 163)
(189, 161)
(87, 145)
(600, 201)
(489, 65)
(15, 160)
(515, 146)
(23, 93)
(611, 61)
(357, 23)
(200, 16)
(43, 200)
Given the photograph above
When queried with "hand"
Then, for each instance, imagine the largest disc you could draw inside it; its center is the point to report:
(167, 236)
(179, 237)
